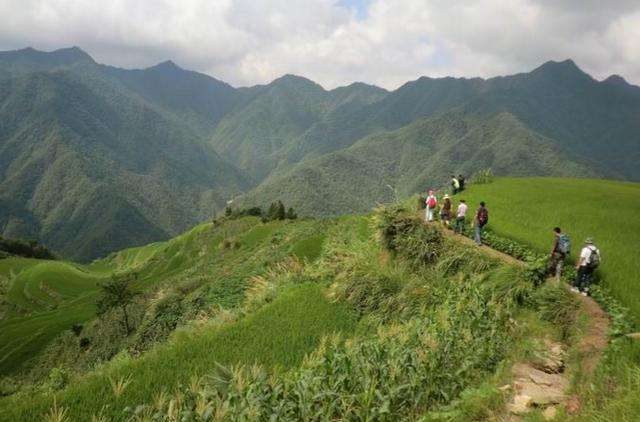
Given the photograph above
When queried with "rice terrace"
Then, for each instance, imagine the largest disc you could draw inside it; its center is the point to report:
(455, 238)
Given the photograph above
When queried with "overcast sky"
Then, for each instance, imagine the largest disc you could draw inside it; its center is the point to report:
(335, 42)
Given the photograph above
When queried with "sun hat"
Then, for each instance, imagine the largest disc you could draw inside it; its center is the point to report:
(589, 240)
(446, 196)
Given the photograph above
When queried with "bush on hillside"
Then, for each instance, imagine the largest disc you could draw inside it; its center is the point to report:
(24, 248)
(482, 177)
(556, 305)
(276, 211)
(118, 293)
(406, 235)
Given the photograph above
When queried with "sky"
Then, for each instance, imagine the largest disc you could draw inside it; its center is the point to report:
(336, 42)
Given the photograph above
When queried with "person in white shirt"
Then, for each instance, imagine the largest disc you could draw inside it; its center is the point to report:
(461, 214)
(588, 261)
(432, 203)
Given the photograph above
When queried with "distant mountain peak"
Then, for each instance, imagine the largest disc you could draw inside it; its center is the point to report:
(62, 56)
(167, 64)
(565, 67)
(616, 80)
(290, 80)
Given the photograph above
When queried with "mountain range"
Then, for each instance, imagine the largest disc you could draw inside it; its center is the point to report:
(95, 158)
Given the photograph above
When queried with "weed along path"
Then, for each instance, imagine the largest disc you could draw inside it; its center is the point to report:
(543, 385)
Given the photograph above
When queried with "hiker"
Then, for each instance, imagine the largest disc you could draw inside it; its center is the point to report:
(588, 261)
(432, 203)
(445, 211)
(561, 248)
(461, 182)
(455, 185)
(461, 213)
(481, 219)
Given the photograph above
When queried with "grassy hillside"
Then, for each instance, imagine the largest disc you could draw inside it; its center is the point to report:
(42, 299)
(375, 316)
(276, 295)
(528, 209)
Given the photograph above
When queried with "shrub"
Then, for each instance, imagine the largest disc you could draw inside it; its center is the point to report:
(58, 379)
(482, 177)
(406, 235)
(556, 305)
(77, 329)
(117, 293)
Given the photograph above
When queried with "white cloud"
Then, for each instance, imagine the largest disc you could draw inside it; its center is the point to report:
(254, 41)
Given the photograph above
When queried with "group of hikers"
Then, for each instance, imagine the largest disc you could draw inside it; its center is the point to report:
(480, 219)
(586, 263)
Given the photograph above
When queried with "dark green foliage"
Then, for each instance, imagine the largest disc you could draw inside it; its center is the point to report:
(117, 293)
(165, 316)
(407, 235)
(24, 248)
(76, 329)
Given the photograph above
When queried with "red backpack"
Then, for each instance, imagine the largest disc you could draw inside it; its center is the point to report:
(432, 202)
(483, 216)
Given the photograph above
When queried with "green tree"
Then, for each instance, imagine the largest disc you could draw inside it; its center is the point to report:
(281, 214)
(291, 214)
(118, 294)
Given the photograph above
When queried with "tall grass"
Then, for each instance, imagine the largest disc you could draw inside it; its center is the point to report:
(279, 334)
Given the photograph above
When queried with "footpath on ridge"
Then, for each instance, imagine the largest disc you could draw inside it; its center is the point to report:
(544, 385)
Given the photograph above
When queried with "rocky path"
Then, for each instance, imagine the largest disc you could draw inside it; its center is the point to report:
(543, 384)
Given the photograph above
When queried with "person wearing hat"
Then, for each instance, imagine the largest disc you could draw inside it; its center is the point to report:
(588, 261)
(445, 211)
(432, 203)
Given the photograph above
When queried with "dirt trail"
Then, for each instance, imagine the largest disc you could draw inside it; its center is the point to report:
(544, 386)
(507, 259)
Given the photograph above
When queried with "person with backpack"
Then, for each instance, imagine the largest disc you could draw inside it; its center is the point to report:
(432, 203)
(461, 182)
(455, 185)
(588, 261)
(461, 214)
(561, 248)
(445, 211)
(481, 219)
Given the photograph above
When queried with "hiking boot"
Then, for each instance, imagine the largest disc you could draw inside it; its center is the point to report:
(575, 290)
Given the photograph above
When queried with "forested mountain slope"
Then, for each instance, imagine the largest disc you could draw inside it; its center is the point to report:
(94, 158)
(89, 166)
(413, 158)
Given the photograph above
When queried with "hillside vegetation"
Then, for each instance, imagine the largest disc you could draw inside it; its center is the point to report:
(376, 316)
(527, 209)
(94, 158)
(249, 318)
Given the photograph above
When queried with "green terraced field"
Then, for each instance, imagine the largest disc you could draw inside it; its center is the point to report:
(278, 335)
(527, 209)
(47, 297)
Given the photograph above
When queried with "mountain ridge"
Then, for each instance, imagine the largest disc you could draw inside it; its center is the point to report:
(167, 147)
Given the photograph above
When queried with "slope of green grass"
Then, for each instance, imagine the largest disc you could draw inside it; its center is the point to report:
(527, 209)
(279, 334)
(47, 297)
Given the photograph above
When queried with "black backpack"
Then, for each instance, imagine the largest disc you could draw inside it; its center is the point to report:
(594, 258)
